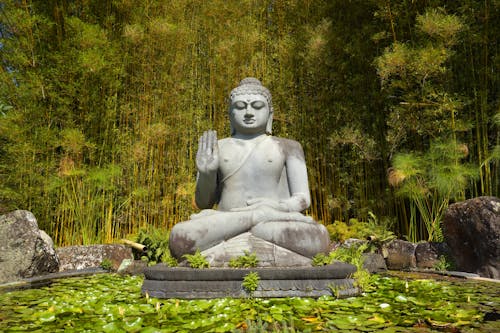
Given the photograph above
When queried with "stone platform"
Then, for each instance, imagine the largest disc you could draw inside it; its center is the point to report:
(268, 254)
(190, 283)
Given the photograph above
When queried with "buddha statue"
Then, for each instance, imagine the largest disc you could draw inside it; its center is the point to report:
(258, 183)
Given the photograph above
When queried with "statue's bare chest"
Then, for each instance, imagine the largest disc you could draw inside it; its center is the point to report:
(253, 160)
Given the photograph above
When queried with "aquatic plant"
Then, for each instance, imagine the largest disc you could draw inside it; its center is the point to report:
(113, 303)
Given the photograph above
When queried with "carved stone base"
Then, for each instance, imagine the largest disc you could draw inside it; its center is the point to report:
(189, 283)
(269, 254)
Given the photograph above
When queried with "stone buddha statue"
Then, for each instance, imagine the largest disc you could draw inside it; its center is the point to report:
(258, 183)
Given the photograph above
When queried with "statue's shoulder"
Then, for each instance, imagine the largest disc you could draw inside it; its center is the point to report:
(290, 147)
(225, 142)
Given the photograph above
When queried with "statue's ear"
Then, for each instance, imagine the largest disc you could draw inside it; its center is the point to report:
(269, 126)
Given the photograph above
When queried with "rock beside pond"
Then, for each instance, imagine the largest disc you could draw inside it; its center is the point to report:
(81, 257)
(428, 255)
(25, 250)
(374, 262)
(472, 231)
(399, 254)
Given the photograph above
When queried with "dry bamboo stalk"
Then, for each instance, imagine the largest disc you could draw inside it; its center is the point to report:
(135, 245)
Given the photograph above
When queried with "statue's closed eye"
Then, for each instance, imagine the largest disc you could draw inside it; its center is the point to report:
(240, 105)
(258, 104)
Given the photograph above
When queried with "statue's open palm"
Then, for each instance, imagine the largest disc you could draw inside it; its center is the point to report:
(207, 157)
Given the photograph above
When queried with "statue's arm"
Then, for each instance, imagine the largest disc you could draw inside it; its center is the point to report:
(207, 163)
(296, 171)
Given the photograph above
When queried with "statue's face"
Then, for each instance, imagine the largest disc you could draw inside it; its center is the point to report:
(249, 114)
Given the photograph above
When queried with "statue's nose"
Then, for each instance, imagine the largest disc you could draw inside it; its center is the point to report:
(249, 112)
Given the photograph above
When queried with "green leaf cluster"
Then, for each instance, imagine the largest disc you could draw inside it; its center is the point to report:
(373, 229)
(251, 282)
(247, 260)
(352, 255)
(431, 180)
(196, 260)
(156, 242)
(106, 264)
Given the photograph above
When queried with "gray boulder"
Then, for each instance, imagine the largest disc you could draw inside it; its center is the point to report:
(472, 231)
(88, 256)
(399, 254)
(428, 254)
(374, 262)
(25, 250)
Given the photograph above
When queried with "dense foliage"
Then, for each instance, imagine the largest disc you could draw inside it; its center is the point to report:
(110, 303)
(102, 101)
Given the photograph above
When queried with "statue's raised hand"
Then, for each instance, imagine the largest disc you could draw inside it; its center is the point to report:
(207, 157)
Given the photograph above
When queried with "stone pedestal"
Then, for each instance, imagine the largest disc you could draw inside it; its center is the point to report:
(190, 283)
(269, 254)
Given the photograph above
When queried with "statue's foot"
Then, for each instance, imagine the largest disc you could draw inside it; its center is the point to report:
(307, 239)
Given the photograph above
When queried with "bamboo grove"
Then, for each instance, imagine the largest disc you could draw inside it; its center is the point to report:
(102, 101)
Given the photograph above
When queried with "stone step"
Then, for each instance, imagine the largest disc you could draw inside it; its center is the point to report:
(189, 283)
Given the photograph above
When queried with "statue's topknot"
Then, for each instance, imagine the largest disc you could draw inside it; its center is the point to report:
(251, 85)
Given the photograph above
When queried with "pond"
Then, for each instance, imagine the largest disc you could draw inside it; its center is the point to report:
(113, 303)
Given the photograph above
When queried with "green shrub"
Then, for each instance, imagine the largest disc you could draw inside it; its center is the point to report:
(444, 264)
(156, 241)
(251, 282)
(352, 255)
(321, 259)
(245, 261)
(196, 260)
(374, 229)
(106, 264)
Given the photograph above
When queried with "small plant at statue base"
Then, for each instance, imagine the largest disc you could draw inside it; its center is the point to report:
(251, 282)
(106, 264)
(167, 258)
(321, 259)
(245, 261)
(196, 260)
